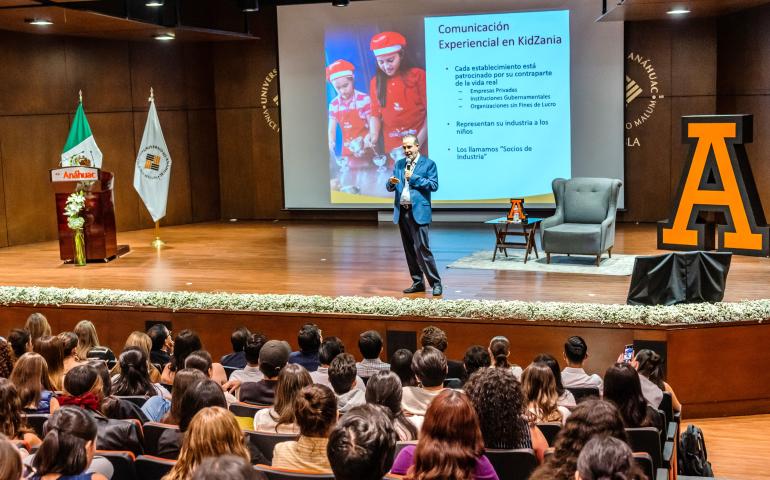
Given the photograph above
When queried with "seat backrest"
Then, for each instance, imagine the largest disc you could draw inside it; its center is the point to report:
(122, 464)
(229, 371)
(242, 409)
(266, 442)
(286, 474)
(152, 468)
(550, 430)
(36, 421)
(587, 200)
(137, 400)
(667, 406)
(647, 440)
(583, 393)
(514, 464)
(644, 461)
(152, 432)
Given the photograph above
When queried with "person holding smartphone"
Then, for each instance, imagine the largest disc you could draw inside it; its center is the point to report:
(413, 180)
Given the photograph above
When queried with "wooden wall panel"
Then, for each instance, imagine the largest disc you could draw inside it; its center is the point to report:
(266, 148)
(158, 65)
(33, 76)
(198, 69)
(3, 217)
(237, 168)
(693, 58)
(744, 52)
(102, 70)
(204, 168)
(27, 156)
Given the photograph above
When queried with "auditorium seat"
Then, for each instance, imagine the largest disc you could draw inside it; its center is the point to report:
(265, 442)
(149, 467)
(242, 409)
(550, 430)
(229, 371)
(512, 464)
(137, 400)
(122, 463)
(272, 473)
(582, 393)
(152, 432)
(647, 440)
(36, 421)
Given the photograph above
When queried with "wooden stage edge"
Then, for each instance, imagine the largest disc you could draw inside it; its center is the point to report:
(715, 369)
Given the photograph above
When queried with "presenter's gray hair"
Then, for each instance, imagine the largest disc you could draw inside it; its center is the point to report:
(412, 136)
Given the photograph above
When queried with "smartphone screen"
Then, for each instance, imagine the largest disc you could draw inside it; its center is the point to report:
(628, 353)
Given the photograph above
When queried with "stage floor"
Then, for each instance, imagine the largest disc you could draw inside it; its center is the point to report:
(334, 259)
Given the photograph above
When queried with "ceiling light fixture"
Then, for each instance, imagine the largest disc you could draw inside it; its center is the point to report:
(678, 11)
(164, 37)
(38, 21)
(340, 3)
(247, 6)
(154, 3)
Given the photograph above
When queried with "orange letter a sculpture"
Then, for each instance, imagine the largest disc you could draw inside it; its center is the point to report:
(717, 179)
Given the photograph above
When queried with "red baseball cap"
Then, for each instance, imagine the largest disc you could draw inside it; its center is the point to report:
(387, 42)
(339, 68)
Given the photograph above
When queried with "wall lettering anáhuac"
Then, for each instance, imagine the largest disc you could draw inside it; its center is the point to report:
(717, 179)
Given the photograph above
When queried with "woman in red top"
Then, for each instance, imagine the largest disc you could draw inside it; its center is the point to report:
(399, 101)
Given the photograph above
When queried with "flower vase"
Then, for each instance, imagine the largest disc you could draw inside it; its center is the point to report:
(80, 248)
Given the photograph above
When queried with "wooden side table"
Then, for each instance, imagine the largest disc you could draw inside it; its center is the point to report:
(503, 230)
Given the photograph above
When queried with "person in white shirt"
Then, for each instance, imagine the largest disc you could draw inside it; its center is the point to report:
(370, 346)
(342, 375)
(330, 348)
(650, 367)
(430, 367)
(251, 372)
(499, 352)
(573, 375)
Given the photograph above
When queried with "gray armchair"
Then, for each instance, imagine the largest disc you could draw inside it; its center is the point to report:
(584, 221)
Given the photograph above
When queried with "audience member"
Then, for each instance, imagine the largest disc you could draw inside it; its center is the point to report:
(573, 375)
(450, 443)
(330, 348)
(384, 388)
(540, 395)
(499, 403)
(650, 367)
(342, 376)
(6, 358)
(68, 447)
(499, 352)
(202, 394)
(316, 414)
(143, 342)
(21, 342)
(37, 326)
(370, 346)
(224, 467)
(162, 344)
(88, 343)
(159, 409)
(476, 357)
(622, 387)
(430, 366)
(134, 379)
(11, 467)
(84, 388)
(36, 392)
(362, 444)
(201, 360)
(12, 422)
(401, 365)
(185, 343)
(70, 348)
(52, 351)
(272, 358)
(281, 417)
(250, 373)
(213, 432)
(590, 418)
(237, 359)
(435, 337)
(607, 458)
(309, 340)
(566, 399)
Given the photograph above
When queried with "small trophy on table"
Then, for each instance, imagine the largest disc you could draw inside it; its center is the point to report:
(516, 213)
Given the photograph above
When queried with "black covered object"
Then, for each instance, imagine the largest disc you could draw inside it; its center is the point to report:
(682, 277)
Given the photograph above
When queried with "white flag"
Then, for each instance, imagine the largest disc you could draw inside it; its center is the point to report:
(153, 167)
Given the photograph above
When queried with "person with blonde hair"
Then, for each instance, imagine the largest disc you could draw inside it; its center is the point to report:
(30, 375)
(143, 342)
(213, 432)
(37, 326)
(541, 396)
(88, 343)
(52, 350)
(70, 348)
(280, 418)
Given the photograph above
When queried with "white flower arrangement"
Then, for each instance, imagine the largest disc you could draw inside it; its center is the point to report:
(691, 314)
(76, 202)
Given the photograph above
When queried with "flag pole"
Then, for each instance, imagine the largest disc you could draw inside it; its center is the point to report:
(157, 243)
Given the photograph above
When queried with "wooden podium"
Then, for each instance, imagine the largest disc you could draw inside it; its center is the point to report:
(99, 213)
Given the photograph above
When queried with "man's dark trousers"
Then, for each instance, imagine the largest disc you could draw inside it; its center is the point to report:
(417, 249)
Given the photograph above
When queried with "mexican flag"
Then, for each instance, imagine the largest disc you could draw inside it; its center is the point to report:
(81, 143)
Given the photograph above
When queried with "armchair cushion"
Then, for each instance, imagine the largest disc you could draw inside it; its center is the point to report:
(577, 238)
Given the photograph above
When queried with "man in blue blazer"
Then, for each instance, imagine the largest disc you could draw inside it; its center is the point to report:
(414, 178)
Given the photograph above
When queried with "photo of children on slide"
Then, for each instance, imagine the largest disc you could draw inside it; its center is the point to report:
(375, 87)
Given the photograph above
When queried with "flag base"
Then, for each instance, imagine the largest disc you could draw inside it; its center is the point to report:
(157, 243)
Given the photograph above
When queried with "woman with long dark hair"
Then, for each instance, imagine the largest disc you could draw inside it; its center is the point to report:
(185, 343)
(650, 367)
(607, 458)
(566, 399)
(134, 378)
(52, 350)
(450, 446)
(398, 95)
(622, 387)
(384, 388)
(499, 403)
(12, 422)
(30, 375)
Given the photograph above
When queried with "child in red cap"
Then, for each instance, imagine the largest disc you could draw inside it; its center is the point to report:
(399, 101)
(351, 110)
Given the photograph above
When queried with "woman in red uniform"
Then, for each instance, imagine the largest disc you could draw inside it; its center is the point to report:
(399, 102)
(350, 109)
